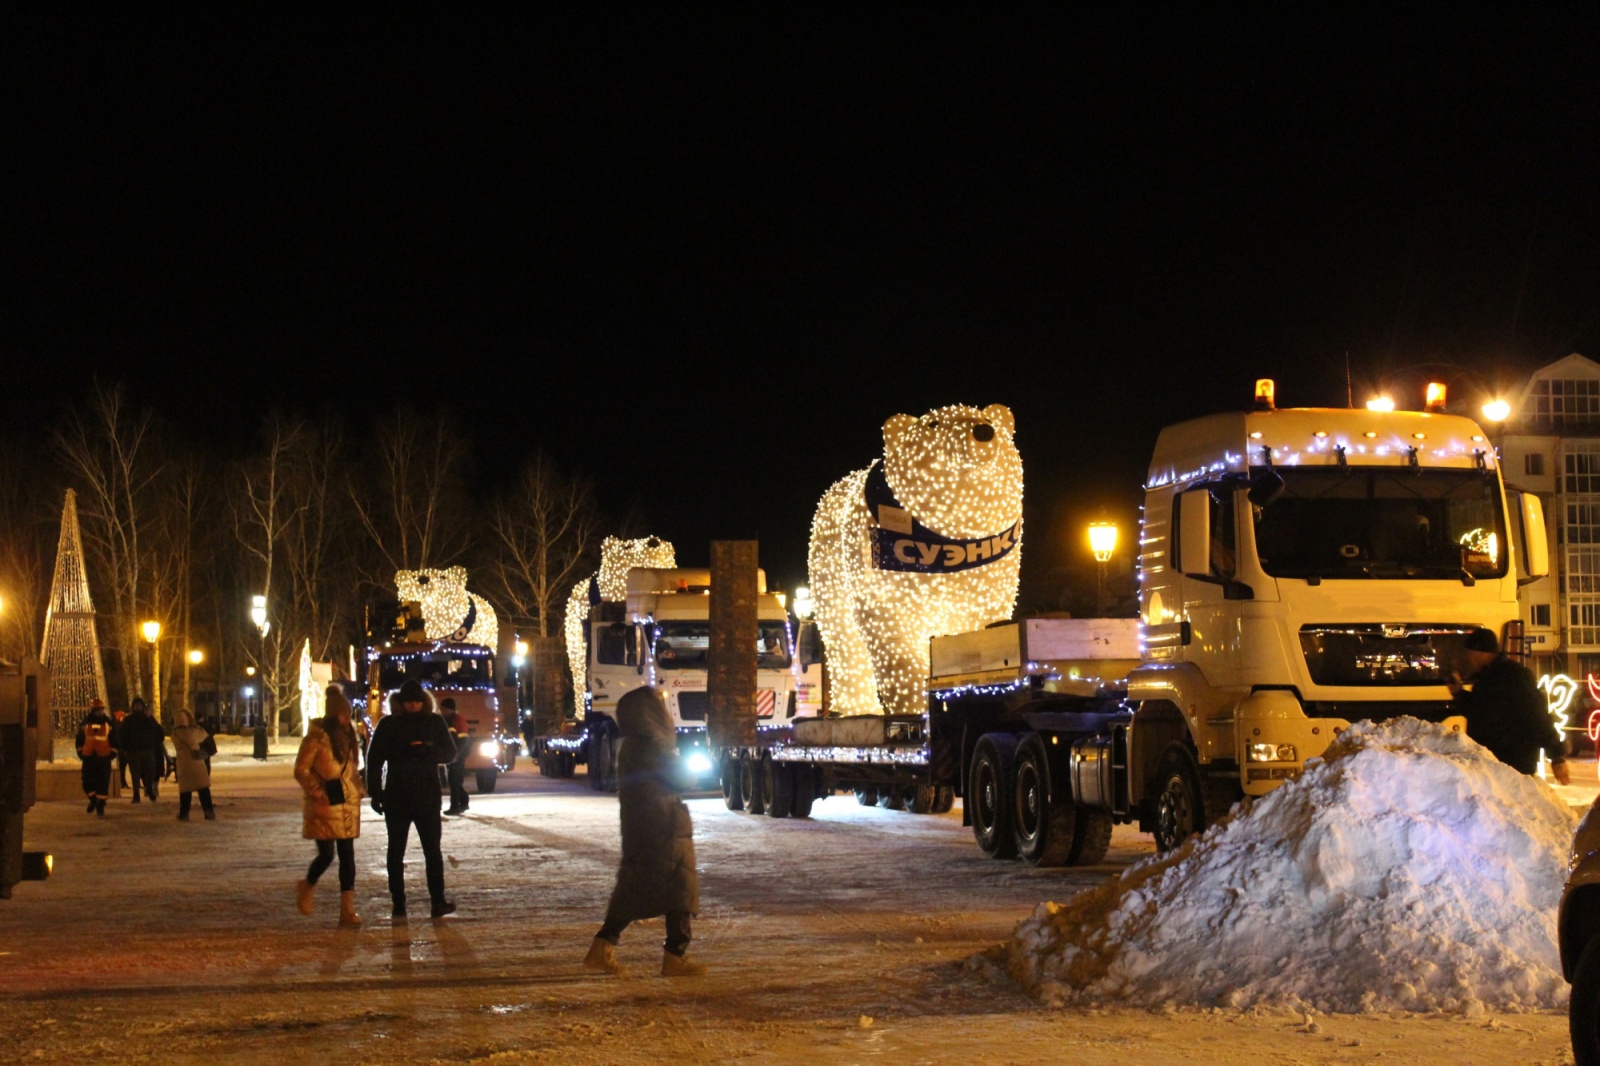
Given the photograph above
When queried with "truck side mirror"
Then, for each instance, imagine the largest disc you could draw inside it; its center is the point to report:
(1535, 545)
(809, 642)
(1194, 533)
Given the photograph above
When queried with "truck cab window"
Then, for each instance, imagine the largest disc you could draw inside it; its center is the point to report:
(1224, 556)
(611, 644)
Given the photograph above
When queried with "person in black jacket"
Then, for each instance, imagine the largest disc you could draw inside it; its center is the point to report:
(1505, 711)
(403, 780)
(142, 742)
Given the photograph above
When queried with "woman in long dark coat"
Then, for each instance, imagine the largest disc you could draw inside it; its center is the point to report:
(657, 875)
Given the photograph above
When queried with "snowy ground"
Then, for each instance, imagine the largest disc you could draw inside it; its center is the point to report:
(838, 939)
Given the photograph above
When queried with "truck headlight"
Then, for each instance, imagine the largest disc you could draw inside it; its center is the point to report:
(698, 762)
(1272, 753)
(489, 749)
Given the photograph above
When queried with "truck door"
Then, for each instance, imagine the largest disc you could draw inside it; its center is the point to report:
(1211, 583)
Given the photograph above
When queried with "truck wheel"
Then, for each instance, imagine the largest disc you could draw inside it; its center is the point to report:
(597, 777)
(486, 781)
(755, 800)
(944, 798)
(1091, 839)
(805, 790)
(1043, 820)
(1178, 812)
(608, 763)
(569, 764)
(922, 799)
(780, 787)
(732, 786)
(891, 797)
(867, 797)
(989, 794)
(1583, 1009)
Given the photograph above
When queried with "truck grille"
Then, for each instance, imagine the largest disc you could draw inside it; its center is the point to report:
(1383, 653)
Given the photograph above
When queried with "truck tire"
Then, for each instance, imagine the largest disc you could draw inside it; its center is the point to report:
(755, 799)
(1583, 1008)
(805, 790)
(944, 799)
(989, 794)
(732, 786)
(569, 764)
(780, 787)
(597, 777)
(1091, 839)
(1044, 821)
(1179, 814)
(608, 763)
(923, 798)
(867, 797)
(486, 781)
(891, 797)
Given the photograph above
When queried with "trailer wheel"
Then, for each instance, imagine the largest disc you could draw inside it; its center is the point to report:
(923, 798)
(989, 794)
(755, 799)
(1044, 821)
(1091, 839)
(944, 799)
(1178, 812)
(867, 797)
(779, 777)
(805, 790)
(486, 781)
(732, 785)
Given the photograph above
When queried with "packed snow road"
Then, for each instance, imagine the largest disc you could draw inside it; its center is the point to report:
(837, 939)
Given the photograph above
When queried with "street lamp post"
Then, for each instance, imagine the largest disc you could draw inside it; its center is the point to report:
(518, 660)
(194, 658)
(1103, 542)
(152, 633)
(258, 615)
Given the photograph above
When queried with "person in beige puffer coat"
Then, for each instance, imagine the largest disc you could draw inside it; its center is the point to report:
(193, 745)
(331, 753)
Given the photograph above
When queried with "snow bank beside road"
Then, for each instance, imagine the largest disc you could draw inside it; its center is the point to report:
(1409, 870)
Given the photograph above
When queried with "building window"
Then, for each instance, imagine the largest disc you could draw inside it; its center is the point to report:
(1533, 464)
(1565, 402)
(1540, 614)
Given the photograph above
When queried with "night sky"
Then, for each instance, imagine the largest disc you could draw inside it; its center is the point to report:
(702, 255)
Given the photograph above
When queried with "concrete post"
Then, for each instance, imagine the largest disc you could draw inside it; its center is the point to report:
(731, 679)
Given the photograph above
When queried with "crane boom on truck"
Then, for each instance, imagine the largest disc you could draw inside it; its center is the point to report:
(1299, 570)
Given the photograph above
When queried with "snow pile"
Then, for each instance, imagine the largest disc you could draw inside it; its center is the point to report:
(1408, 870)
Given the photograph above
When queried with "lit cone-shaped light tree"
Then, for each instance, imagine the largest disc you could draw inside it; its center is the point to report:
(71, 649)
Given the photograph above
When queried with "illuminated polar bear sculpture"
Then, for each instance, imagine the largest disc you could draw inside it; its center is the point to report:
(925, 542)
(449, 611)
(617, 557)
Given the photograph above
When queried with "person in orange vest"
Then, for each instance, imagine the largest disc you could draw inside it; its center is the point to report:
(95, 748)
(456, 769)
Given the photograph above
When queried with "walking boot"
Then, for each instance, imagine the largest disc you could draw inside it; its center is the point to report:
(442, 907)
(302, 895)
(100, 808)
(92, 802)
(211, 815)
(680, 966)
(603, 957)
(183, 816)
(347, 909)
(399, 912)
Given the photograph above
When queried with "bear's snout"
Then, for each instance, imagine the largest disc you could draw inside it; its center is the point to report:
(983, 432)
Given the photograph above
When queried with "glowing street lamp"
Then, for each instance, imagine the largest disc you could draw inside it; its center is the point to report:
(193, 659)
(1496, 410)
(518, 660)
(1381, 404)
(1103, 542)
(152, 633)
(805, 605)
(258, 615)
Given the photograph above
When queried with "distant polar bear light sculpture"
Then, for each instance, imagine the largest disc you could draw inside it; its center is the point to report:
(609, 584)
(449, 611)
(925, 542)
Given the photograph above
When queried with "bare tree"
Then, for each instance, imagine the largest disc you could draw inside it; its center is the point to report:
(263, 515)
(410, 500)
(546, 533)
(27, 539)
(110, 452)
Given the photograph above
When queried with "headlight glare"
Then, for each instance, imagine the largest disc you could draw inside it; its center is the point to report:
(1272, 753)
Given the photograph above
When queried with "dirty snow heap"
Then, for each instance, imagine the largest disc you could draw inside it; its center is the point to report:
(1408, 870)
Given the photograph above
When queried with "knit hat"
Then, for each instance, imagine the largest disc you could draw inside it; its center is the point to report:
(413, 692)
(97, 704)
(1482, 640)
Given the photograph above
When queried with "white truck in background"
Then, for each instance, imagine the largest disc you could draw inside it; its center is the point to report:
(1299, 570)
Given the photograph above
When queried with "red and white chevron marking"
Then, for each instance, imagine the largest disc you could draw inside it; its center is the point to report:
(766, 702)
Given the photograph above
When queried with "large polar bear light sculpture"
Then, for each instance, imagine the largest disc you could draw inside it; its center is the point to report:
(610, 583)
(449, 611)
(925, 542)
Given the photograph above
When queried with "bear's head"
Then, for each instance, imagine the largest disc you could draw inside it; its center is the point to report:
(618, 556)
(956, 468)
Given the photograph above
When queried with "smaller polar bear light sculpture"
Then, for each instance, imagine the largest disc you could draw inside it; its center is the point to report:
(610, 583)
(926, 542)
(449, 611)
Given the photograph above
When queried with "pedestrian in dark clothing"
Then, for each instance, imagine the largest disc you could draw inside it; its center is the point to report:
(403, 779)
(457, 770)
(1505, 711)
(143, 744)
(117, 718)
(328, 769)
(657, 875)
(95, 742)
(192, 747)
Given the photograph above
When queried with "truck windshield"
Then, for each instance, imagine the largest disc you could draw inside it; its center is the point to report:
(1401, 523)
(437, 671)
(687, 645)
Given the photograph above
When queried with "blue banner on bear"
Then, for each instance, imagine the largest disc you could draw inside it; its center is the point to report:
(902, 543)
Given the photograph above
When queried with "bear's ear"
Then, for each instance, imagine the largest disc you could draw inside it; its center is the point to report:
(456, 575)
(896, 428)
(1000, 415)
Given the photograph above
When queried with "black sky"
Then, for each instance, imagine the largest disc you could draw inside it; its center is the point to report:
(703, 254)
